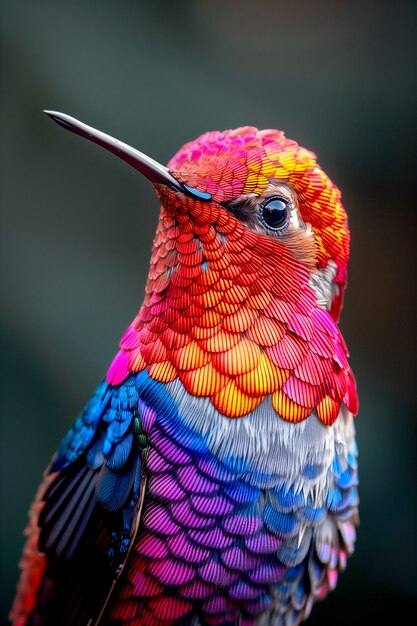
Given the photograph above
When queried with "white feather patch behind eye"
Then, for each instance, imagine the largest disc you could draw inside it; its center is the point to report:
(295, 218)
(322, 283)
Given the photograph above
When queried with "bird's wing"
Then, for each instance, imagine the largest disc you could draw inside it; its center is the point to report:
(85, 516)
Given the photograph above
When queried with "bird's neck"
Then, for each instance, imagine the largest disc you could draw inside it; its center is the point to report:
(222, 308)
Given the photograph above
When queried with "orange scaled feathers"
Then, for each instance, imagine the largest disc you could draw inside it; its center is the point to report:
(230, 312)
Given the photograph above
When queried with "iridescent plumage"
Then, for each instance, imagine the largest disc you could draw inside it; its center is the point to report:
(212, 479)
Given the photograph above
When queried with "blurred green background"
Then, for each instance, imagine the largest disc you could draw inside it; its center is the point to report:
(77, 223)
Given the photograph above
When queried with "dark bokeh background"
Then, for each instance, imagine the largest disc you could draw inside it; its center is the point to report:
(77, 223)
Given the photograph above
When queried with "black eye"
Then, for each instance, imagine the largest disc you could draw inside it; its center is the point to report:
(275, 213)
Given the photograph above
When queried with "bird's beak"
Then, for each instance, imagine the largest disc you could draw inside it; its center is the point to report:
(153, 170)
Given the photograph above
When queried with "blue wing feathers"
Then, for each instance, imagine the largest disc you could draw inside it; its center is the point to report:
(114, 487)
(120, 454)
(82, 433)
(98, 464)
(103, 429)
(87, 519)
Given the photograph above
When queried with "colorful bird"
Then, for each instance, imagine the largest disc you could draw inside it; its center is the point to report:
(212, 478)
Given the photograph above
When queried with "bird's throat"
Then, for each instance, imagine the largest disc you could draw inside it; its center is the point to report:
(232, 315)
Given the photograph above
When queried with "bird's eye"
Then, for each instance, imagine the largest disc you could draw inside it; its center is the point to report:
(275, 213)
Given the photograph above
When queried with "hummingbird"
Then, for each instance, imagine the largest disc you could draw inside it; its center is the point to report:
(211, 480)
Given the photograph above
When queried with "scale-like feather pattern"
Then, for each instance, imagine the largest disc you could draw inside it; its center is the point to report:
(226, 545)
(236, 341)
(231, 311)
(212, 479)
(212, 542)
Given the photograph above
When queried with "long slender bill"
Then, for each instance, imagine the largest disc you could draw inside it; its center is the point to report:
(150, 168)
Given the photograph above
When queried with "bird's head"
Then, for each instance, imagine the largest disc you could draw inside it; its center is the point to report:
(262, 182)
(251, 245)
